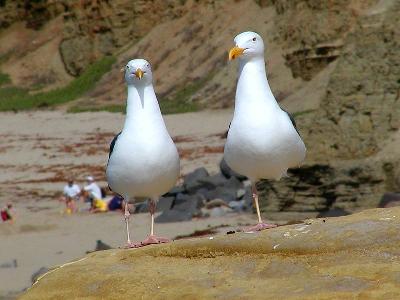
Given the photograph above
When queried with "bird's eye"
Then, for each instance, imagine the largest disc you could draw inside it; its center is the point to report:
(127, 67)
(254, 39)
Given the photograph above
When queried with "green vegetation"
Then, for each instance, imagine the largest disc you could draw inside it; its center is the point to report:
(179, 103)
(4, 78)
(13, 98)
(173, 105)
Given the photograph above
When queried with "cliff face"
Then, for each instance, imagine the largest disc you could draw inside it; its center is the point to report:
(352, 135)
(335, 64)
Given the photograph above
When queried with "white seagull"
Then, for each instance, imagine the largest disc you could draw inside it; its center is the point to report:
(143, 159)
(263, 141)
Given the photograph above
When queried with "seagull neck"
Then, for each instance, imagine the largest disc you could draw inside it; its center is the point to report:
(141, 102)
(253, 82)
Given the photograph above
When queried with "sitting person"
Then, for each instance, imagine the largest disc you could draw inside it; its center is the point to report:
(71, 193)
(98, 205)
(95, 196)
(116, 203)
(7, 213)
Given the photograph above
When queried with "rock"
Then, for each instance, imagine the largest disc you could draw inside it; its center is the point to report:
(183, 208)
(11, 264)
(228, 172)
(335, 212)
(219, 211)
(222, 193)
(191, 204)
(227, 192)
(389, 200)
(35, 276)
(142, 207)
(173, 215)
(192, 181)
(216, 203)
(212, 182)
(240, 193)
(100, 246)
(165, 203)
(238, 206)
(175, 190)
(341, 258)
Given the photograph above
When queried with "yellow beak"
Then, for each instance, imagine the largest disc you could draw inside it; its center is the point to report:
(139, 73)
(235, 52)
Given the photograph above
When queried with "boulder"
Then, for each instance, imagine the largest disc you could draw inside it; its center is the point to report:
(389, 200)
(165, 203)
(173, 215)
(228, 172)
(35, 276)
(351, 257)
(211, 182)
(175, 190)
(333, 212)
(192, 181)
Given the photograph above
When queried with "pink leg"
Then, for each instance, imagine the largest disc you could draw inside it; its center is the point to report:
(152, 239)
(261, 225)
(129, 244)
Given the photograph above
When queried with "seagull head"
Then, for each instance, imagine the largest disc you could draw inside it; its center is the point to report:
(247, 45)
(138, 72)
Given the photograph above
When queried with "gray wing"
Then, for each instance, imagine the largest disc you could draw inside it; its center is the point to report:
(292, 120)
(113, 144)
(111, 150)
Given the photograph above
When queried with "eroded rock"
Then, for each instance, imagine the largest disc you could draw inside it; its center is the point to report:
(347, 257)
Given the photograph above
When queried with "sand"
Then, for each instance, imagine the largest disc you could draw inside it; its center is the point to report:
(39, 150)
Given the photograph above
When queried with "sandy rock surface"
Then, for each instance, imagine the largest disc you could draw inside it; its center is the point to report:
(349, 257)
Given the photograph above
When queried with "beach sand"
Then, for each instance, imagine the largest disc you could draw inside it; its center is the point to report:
(40, 150)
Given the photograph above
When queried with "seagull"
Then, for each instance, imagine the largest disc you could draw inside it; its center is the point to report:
(263, 141)
(143, 160)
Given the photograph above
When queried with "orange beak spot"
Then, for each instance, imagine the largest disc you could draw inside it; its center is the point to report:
(235, 52)
(139, 73)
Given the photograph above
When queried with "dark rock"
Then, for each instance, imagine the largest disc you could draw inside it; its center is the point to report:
(100, 245)
(165, 203)
(334, 212)
(183, 209)
(226, 194)
(248, 198)
(228, 172)
(35, 276)
(142, 207)
(192, 181)
(173, 216)
(238, 206)
(203, 192)
(390, 200)
(240, 193)
(11, 264)
(191, 204)
(175, 190)
(211, 182)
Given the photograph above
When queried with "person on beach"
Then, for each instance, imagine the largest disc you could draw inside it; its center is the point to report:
(94, 196)
(71, 193)
(116, 203)
(7, 213)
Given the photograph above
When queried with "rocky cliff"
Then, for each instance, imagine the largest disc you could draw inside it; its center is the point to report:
(353, 257)
(334, 64)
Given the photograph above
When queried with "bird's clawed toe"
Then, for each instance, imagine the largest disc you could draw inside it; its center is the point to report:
(259, 227)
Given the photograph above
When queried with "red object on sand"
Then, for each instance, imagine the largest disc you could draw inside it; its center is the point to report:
(5, 216)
